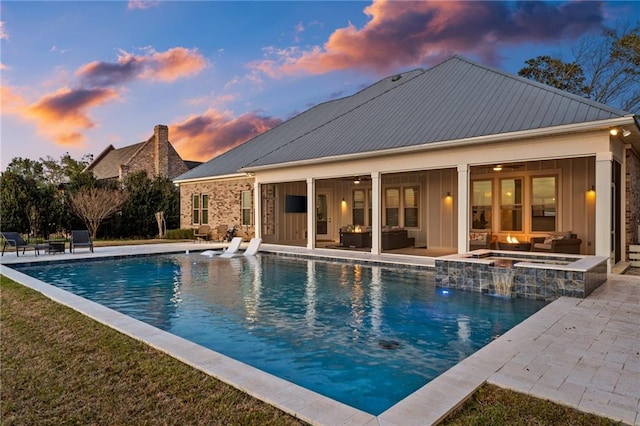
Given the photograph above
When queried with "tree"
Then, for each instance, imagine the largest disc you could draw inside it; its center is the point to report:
(146, 198)
(613, 66)
(14, 196)
(94, 205)
(64, 170)
(553, 72)
(606, 69)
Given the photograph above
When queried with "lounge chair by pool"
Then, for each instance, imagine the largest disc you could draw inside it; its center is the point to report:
(14, 239)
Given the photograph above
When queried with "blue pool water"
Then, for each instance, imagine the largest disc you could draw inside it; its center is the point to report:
(367, 336)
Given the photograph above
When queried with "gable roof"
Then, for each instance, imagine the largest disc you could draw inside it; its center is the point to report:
(107, 164)
(455, 100)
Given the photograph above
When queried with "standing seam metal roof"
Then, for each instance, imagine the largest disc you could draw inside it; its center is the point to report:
(454, 100)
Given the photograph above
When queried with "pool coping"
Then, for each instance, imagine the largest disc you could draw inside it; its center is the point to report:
(428, 405)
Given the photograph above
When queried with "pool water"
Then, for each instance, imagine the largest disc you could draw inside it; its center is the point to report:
(367, 336)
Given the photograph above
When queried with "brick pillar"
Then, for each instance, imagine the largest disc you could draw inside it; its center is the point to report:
(161, 150)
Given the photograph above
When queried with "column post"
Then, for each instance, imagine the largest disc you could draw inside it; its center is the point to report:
(604, 169)
(463, 208)
(376, 207)
(311, 213)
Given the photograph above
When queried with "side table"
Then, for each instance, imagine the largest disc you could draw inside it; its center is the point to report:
(55, 246)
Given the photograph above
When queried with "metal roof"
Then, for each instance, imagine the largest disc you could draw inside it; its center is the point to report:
(233, 160)
(457, 99)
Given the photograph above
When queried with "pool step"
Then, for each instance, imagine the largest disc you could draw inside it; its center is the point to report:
(634, 256)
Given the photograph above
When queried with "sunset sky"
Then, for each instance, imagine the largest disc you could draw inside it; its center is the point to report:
(80, 75)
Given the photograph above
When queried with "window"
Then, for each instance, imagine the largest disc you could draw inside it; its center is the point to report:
(511, 204)
(543, 203)
(392, 206)
(245, 205)
(200, 213)
(481, 204)
(196, 209)
(411, 211)
(358, 207)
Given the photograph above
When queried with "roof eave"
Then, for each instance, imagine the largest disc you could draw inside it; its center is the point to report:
(524, 134)
(205, 178)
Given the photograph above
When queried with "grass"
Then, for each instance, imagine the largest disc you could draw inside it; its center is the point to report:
(61, 367)
(491, 405)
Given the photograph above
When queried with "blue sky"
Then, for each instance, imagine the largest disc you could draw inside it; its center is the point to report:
(79, 75)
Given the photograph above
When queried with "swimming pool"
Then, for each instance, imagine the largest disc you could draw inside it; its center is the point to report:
(364, 335)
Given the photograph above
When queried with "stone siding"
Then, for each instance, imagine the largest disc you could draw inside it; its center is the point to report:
(529, 283)
(632, 198)
(157, 157)
(225, 206)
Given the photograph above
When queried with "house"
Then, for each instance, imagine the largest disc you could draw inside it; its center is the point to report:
(423, 158)
(156, 156)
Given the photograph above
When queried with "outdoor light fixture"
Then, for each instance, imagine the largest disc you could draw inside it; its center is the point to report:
(625, 132)
(613, 132)
(356, 180)
(497, 167)
(448, 194)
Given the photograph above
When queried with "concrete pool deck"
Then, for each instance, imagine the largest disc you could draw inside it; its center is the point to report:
(583, 353)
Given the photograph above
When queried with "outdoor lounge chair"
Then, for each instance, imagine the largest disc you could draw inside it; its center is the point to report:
(14, 239)
(230, 251)
(254, 246)
(233, 248)
(80, 238)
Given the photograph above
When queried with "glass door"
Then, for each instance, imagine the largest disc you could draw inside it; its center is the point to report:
(323, 216)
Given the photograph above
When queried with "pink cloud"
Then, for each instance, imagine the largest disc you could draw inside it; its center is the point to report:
(168, 66)
(214, 132)
(410, 33)
(61, 116)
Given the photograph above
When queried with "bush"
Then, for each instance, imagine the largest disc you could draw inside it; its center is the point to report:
(179, 234)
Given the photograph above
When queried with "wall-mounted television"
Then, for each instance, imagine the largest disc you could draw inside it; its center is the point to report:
(295, 204)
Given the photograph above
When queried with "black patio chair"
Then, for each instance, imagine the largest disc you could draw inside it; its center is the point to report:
(80, 238)
(14, 239)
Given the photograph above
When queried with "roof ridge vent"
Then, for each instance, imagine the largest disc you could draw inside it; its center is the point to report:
(396, 77)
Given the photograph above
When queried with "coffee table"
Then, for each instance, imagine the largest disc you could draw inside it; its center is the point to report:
(514, 246)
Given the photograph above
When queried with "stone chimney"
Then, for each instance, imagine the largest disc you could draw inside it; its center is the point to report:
(161, 150)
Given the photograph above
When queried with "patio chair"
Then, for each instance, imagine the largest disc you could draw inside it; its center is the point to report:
(80, 238)
(221, 232)
(14, 239)
(202, 233)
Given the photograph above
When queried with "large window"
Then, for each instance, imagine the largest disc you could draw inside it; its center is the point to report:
(481, 204)
(543, 204)
(392, 206)
(358, 207)
(411, 198)
(246, 202)
(511, 204)
(200, 212)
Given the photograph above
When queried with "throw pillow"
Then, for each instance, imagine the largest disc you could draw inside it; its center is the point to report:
(551, 238)
(478, 236)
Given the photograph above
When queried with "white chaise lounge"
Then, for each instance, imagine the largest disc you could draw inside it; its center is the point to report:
(230, 251)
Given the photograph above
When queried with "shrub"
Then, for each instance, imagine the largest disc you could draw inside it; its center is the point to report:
(179, 234)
